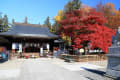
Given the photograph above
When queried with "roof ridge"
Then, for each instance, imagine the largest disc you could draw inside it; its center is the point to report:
(24, 24)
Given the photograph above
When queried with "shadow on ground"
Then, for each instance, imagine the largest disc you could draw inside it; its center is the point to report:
(95, 71)
(98, 72)
(118, 78)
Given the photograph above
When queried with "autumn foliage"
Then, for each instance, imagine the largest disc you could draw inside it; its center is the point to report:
(112, 15)
(87, 29)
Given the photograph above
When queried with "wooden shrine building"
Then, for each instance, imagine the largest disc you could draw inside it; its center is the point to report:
(28, 38)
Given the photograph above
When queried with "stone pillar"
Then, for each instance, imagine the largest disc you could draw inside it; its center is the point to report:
(113, 67)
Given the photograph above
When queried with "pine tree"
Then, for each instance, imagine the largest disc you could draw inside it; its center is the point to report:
(1, 21)
(72, 5)
(76, 4)
(47, 23)
(54, 27)
(5, 23)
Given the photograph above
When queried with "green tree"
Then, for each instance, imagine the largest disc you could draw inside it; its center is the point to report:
(5, 23)
(72, 5)
(47, 23)
(68, 6)
(5, 19)
(54, 27)
(1, 21)
(76, 4)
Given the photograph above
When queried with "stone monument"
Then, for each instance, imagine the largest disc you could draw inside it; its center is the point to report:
(113, 67)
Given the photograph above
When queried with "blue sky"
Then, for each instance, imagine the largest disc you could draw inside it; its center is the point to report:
(38, 10)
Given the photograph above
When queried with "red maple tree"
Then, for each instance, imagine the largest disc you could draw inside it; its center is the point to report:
(87, 28)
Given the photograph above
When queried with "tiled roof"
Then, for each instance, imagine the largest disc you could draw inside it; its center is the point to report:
(24, 24)
(29, 31)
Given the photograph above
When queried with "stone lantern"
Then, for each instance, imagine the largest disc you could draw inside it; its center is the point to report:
(113, 67)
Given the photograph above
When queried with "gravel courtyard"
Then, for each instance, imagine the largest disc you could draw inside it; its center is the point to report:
(51, 69)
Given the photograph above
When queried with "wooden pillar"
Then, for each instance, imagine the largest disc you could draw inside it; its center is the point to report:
(13, 51)
(20, 47)
(41, 50)
(23, 48)
(13, 47)
(48, 46)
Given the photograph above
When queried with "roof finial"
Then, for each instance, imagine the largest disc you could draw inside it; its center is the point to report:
(26, 20)
(13, 21)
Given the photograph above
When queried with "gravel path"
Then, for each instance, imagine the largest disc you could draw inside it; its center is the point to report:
(45, 70)
(93, 70)
(53, 69)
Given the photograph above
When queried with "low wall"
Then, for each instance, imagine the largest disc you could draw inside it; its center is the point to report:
(84, 58)
(30, 54)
